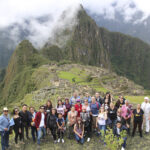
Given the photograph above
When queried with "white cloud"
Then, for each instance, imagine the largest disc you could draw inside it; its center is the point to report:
(24, 13)
(108, 7)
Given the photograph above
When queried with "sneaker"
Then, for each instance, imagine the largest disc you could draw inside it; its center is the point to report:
(62, 140)
(88, 140)
(58, 140)
(122, 148)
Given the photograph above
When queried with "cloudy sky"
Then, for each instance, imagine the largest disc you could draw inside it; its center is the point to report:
(25, 13)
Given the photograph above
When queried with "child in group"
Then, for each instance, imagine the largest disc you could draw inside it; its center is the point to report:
(101, 121)
(61, 127)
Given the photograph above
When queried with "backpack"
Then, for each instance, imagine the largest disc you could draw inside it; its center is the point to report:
(96, 105)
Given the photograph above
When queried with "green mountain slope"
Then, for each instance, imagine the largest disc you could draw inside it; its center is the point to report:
(17, 80)
(89, 44)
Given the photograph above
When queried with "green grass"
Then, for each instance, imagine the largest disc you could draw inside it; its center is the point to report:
(135, 99)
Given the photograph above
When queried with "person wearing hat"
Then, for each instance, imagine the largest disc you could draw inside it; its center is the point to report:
(78, 107)
(4, 128)
(146, 108)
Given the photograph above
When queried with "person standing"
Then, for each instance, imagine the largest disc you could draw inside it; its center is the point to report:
(60, 107)
(61, 127)
(40, 123)
(74, 98)
(78, 107)
(17, 127)
(120, 102)
(87, 97)
(68, 107)
(146, 108)
(112, 114)
(94, 106)
(72, 116)
(52, 124)
(32, 122)
(48, 106)
(99, 99)
(126, 113)
(4, 128)
(85, 116)
(101, 122)
(24, 114)
(138, 114)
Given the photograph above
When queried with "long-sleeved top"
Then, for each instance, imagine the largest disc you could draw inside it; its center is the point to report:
(73, 100)
(146, 108)
(95, 108)
(4, 122)
(126, 111)
(78, 108)
(25, 117)
(38, 118)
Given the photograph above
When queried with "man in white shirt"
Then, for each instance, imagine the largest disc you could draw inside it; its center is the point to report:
(146, 108)
(40, 123)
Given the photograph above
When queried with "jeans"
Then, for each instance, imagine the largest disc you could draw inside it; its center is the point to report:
(41, 129)
(4, 139)
(81, 140)
(33, 132)
(124, 142)
(102, 127)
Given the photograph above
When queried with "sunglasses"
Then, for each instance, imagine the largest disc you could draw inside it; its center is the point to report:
(5, 110)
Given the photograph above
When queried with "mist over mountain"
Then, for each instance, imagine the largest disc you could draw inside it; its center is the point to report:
(134, 27)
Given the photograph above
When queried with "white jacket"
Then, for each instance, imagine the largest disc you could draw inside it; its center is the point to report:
(146, 108)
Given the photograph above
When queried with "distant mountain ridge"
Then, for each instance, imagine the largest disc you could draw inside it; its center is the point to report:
(88, 45)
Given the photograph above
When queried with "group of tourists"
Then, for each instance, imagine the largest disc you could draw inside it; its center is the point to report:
(77, 117)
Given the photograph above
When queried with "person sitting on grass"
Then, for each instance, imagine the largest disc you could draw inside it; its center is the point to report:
(61, 127)
(117, 132)
(79, 131)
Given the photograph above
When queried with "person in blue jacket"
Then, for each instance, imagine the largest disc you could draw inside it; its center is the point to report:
(4, 128)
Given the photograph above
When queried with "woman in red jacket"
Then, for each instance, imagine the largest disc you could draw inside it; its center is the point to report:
(40, 123)
(78, 107)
